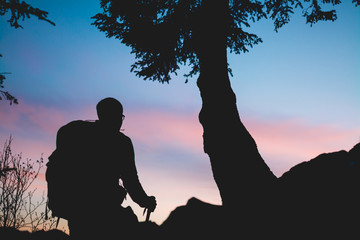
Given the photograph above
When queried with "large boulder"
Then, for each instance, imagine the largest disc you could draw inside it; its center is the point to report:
(320, 198)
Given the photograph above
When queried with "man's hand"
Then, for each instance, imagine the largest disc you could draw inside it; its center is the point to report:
(150, 207)
(151, 203)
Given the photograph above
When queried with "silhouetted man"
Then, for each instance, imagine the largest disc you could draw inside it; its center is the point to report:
(99, 156)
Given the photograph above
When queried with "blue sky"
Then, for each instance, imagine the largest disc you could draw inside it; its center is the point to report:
(298, 93)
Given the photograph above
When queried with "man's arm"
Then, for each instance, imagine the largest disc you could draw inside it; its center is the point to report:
(131, 180)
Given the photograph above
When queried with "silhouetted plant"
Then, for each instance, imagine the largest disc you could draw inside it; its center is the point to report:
(17, 206)
(18, 11)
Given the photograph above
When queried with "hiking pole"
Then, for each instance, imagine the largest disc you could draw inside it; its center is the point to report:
(147, 214)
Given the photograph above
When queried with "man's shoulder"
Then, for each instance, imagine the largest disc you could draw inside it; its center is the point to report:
(80, 123)
(76, 125)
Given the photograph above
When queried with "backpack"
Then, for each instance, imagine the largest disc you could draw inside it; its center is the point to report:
(58, 187)
(63, 195)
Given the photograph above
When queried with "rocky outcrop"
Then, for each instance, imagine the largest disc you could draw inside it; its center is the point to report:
(195, 220)
(321, 197)
(317, 199)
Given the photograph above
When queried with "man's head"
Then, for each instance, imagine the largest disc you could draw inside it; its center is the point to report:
(110, 113)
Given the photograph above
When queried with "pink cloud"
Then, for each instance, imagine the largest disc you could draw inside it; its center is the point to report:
(285, 143)
(282, 143)
(27, 117)
(158, 129)
(17, 117)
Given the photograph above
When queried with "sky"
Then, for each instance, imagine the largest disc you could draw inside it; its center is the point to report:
(298, 94)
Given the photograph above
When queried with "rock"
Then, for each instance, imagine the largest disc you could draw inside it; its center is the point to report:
(195, 220)
(320, 197)
(317, 199)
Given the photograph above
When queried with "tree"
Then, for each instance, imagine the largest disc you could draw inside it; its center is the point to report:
(18, 11)
(166, 34)
(17, 206)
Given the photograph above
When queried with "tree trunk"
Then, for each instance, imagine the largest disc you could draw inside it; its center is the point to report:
(239, 171)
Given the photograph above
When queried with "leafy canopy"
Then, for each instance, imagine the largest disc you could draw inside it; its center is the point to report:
(161, 33)
(21, 10)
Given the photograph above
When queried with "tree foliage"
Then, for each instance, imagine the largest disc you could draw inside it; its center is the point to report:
(6, 94)
(163, 33)
(281, 10)
(20, 11)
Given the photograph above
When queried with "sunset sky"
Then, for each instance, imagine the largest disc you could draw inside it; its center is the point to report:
(298, 94)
